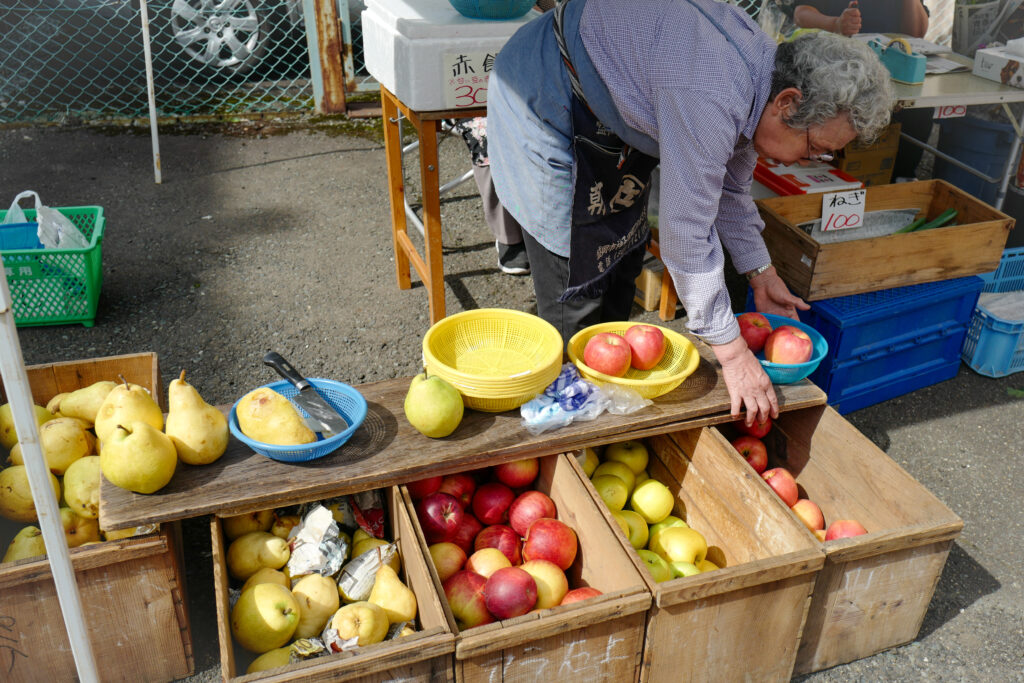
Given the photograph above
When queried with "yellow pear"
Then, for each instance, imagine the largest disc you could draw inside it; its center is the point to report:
(266, 575)
(78, 530)
(199, 431)
(254, 550)
(264, 618)
(8, 435)
(62, 440)
(407, 631)
(239, 525)
(281, 656)
(363, 620)
(283, 525)
(368, 544)
(84, 403)
(360, 534)
(397, 599)
(138, 457)
(53, 405)
(15, 496)
(127, 403)
(82, 486)
(267, 416)
(118, 534)
(27, 543)
(318, 600)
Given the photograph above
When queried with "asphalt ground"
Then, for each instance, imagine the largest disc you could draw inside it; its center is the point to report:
(267, 235)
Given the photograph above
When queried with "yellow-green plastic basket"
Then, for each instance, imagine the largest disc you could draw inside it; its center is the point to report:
(680, 360)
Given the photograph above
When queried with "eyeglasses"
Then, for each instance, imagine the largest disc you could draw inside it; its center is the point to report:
(826, 156)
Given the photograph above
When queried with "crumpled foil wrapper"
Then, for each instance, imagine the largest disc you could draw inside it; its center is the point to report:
(357, 577)
(316, 546)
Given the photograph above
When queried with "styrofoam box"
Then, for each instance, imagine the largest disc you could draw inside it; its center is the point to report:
(407, 46)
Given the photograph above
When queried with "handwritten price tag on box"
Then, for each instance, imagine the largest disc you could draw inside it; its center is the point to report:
(842, 210)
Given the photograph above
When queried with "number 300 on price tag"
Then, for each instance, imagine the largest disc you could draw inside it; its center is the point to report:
(841, 210)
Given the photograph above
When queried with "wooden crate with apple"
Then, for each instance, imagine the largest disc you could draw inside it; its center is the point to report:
(596, 638)
(421, 656)
(132, 590)
(875, 588)
(739, 618)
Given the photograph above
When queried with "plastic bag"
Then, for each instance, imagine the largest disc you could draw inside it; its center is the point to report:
(570, 398)
(55, 231)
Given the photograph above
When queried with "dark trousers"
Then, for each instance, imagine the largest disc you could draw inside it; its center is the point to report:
(551, 277)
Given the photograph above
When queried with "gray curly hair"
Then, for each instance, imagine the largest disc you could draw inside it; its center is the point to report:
(836, 75)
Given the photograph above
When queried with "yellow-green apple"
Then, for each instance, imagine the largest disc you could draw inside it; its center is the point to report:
(503, 538)
(656, 529)
(527, 507)
(265, 617)
(448, 558)
(510, 592)
(581, 593)
(552, 540)
(266, 575)
(612, 490)
(844, 528)
(486, 561)
(632, 453)
(363, 620)
(422, 487)
(757, 429)
(809, 513)
(617, 469)
(518, 473)
(753, 451)
(788, 345)
(754, 328)
(642, 476)
(607, 353)
(239, 525)
(465, 534)
(652, 500)
(433, 406)
(682, 544)
(656, 565)
(464, 591)
(283, 525)
(783, 483)
(637, 527)
(461, 485)
(646, 345)
(552, 584)
(440, 515)
(683, 569)
(621, 522)
(491, 502)
(706, 565)
(277, 657)
(590, 461)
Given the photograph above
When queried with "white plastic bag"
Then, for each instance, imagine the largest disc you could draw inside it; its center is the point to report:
(55, 231)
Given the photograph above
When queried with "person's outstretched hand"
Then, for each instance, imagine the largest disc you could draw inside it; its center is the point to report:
(771, 295)
(748, 385)
(849, 21)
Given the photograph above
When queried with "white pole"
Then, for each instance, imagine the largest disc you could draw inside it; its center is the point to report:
(19, 394)
(144, 18)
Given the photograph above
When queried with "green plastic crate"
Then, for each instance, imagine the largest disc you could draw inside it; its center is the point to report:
(58, 286)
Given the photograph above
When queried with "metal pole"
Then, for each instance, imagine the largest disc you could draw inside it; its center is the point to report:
(19, 394)
(147, 51)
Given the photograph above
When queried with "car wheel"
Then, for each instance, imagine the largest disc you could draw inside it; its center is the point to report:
(225, 36)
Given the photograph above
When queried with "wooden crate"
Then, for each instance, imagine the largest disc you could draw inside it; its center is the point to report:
(821, 271)
(719, 625)
(596, 639)
(132, 591)
(874, 590)
(423, 656)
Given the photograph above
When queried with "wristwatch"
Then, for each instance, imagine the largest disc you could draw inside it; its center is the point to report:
(757, 271)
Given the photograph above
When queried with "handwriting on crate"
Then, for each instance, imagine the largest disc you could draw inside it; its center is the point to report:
(9, 651)
(581, 659)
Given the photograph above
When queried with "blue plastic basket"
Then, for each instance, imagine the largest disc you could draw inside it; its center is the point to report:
(995, 346)
(342, 397)
(781, 373)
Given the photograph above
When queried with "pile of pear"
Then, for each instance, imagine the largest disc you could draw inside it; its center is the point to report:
(274, 610)
(107, 429)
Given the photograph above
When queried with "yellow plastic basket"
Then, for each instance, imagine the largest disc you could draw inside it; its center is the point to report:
(679, 362)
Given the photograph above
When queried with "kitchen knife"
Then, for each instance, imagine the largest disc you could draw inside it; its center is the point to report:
(319, 410)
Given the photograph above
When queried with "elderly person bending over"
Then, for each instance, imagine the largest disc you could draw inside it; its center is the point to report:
(584, 101)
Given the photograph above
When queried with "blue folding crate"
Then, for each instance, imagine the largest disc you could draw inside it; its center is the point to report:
(995, 345)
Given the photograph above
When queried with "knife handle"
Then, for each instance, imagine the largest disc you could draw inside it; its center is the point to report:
(285, 369)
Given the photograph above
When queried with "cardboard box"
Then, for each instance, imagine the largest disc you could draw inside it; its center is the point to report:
(871, 164)
(874, 590)
(1000, 65)
(815, 270)
(719, 625)
(132, 590)
(423, 656)
(596, 639)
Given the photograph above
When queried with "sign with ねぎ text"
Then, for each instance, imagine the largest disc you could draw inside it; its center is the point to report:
(842, 210)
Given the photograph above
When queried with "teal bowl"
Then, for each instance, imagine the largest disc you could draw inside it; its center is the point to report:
(782, 373)
(493, 9)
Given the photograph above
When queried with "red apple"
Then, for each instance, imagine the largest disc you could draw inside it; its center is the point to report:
(464, 591)
(503, 538)
(607, 353)
(646, 346)
(510, 592)
(581, 593)
(448, 558)
(809, 513)
(788, 345)
(440, 515)
(491, 501)
(517, 474)
(462, 486)
(465, 535)
(552, 540)
(844, 528)
(486, 561)
(757, 429)
(783, 483)
(753, 451)
(754, 328)
(418, 490)
(528, 507)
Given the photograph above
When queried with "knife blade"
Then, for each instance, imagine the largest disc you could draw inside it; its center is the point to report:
(319, 410)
